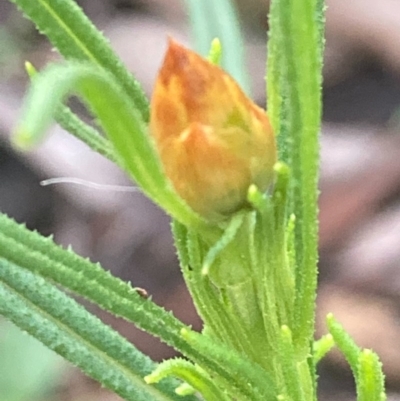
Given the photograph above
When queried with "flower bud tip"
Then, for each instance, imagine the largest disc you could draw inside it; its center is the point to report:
(213, 141)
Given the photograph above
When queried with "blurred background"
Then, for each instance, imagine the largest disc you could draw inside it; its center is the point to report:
(359, 203)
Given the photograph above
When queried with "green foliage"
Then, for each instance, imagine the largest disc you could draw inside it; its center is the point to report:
(65, 268)
(322, 347)
(71, 123)
(365, 364)
(196, 377)
(294, 92)
(252, 277)
(76, 38)
(67, 328)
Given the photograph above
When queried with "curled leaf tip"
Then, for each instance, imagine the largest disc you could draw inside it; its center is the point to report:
(213, 141)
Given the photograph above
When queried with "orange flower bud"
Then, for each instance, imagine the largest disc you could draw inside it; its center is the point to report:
(214, 142)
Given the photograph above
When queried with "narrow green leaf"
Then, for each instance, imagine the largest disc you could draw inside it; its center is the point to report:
(370, 386)
(308, 378)
(345, 343)
(191, 374)
(75, 126)
(65, 268)
(180, 233)
(87, 134)
(322, 347)
(248, 378)
(76, 38)
(296, 95)
(42, 256)
(274, 74)
(293, 382)
(119, 120)
(218, 19)
(68, 329)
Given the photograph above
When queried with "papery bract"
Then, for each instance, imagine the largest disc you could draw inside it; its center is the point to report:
(214, 142)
